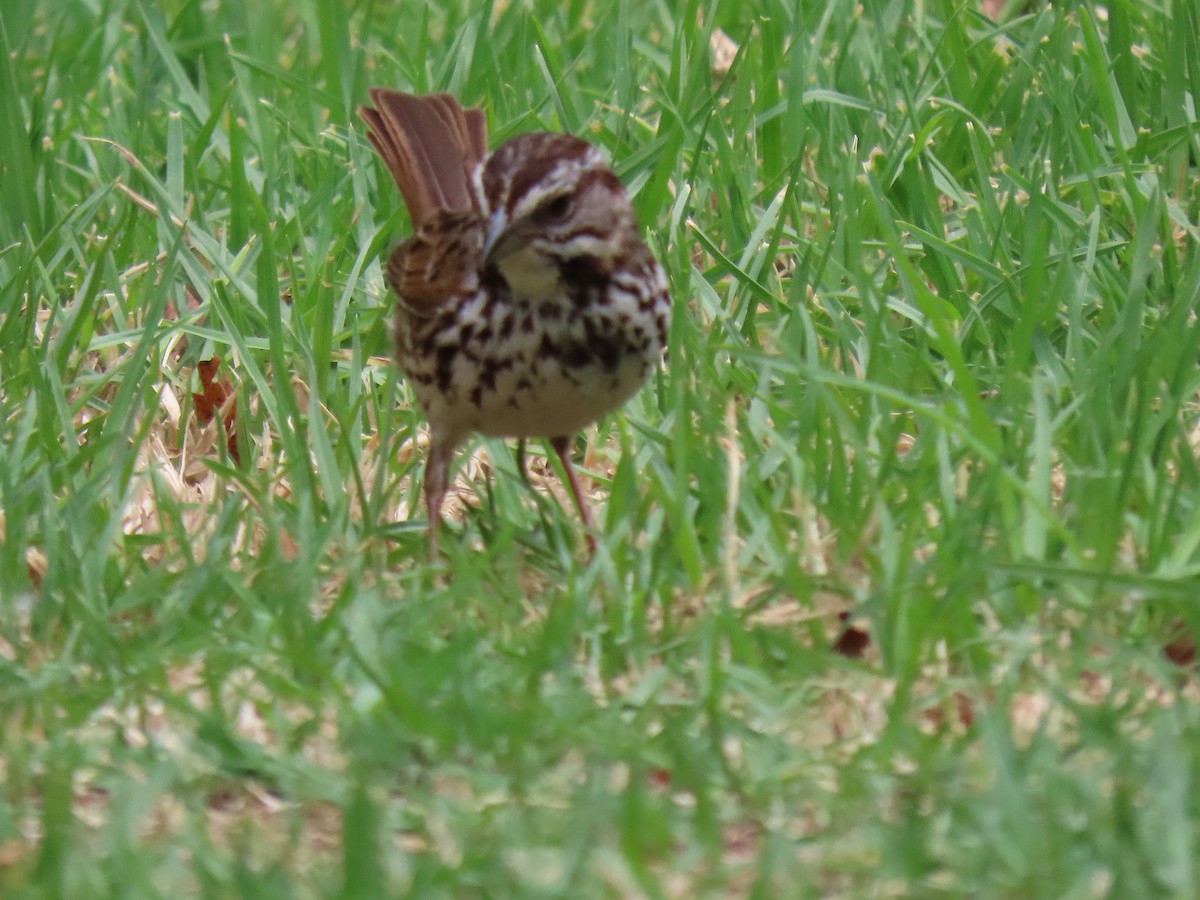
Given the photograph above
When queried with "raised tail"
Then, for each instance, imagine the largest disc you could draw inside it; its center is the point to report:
(431, 145)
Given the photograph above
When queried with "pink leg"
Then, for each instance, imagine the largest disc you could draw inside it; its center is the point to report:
(562, 446)
(437, 472)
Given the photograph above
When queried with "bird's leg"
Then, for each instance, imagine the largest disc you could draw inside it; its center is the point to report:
(437, 471)
(562, 446)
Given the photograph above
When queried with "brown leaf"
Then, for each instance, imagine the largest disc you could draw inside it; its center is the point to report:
(965, 709)
(217, 396)
(660, 779)
(1181, 650)
(36, 565)
(853, 642)
(959, 709)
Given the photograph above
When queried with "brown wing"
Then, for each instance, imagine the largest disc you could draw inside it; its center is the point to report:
(440, 261)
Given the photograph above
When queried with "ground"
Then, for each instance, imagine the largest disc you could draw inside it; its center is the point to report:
(894, 585)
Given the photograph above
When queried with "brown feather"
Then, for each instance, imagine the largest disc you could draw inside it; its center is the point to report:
(431, 145)
(438, 262)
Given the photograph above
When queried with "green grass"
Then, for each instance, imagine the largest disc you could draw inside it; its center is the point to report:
(934, 363)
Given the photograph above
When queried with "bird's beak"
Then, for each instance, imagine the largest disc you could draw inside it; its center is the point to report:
(501, 241)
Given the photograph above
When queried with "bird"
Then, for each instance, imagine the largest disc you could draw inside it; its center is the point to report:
(529, 305)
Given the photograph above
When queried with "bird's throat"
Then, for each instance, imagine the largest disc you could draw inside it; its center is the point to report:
(531, 275)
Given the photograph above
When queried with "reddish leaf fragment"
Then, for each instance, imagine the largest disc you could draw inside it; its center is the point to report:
(1182, 650)
(959, 707)
(217, 396)
(964, 708)
(853, 642)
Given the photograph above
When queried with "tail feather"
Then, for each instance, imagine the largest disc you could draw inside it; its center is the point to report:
(431, 145)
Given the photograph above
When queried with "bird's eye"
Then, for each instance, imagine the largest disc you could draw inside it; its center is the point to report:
(556, 209)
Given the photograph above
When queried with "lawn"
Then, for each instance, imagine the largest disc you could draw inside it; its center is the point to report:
(899, 554)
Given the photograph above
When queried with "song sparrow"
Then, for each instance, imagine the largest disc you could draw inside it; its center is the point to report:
(529, 304)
